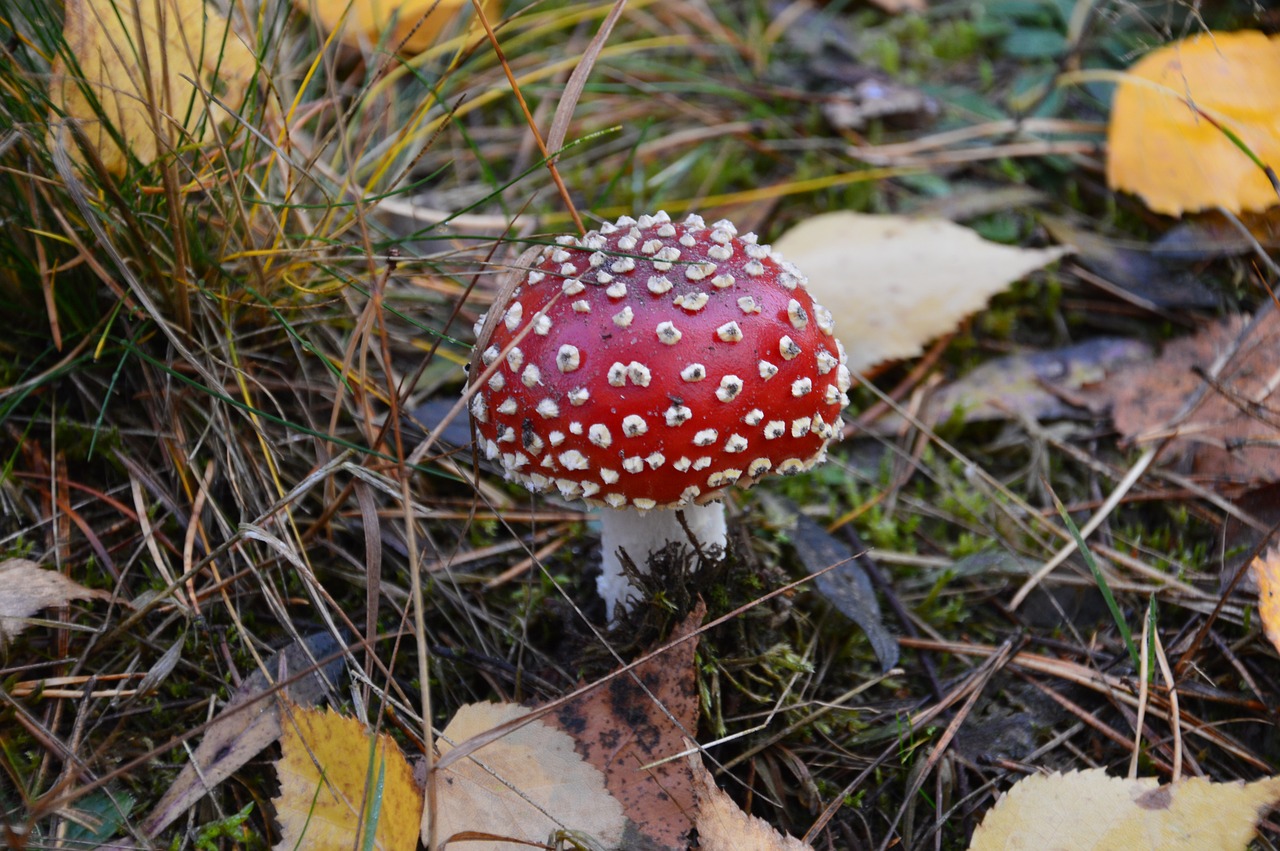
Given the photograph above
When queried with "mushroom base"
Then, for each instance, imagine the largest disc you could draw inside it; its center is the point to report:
(642, 534)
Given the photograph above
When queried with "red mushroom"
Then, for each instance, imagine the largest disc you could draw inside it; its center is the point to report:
(648, 366)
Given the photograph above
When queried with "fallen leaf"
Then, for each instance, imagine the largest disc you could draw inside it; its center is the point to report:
(1037, 385)
(723, 826)
(619, 729)
(180, 41)
(525, 786)
(1092, 811)
(247, 724)
(417, 23)
(93, 820)
(1164, 151)
(26, 588)
(338, 779)
(1230, 437)
(1266, 573)
(895, 283)
(1142, 275)
(1212, 235)
(838, 575)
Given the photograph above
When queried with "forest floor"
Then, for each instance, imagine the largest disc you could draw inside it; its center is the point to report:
(230, 413)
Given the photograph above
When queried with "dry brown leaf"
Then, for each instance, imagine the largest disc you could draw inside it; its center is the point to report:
(1266, 573)
(418, 23)
(1039, 385)
(181, 41)
(1167, 153)
(1231, 436)
(1092, 811)
(526, 785)
(619, 729)
(26, 588)
(723, 826)
(330, 768)
(248, 724)
(245, 727)
(895, 283)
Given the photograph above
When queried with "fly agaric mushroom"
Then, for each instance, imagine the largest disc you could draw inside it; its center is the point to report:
(646, 367)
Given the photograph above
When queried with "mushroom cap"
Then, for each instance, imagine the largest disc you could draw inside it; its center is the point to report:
(652, 364)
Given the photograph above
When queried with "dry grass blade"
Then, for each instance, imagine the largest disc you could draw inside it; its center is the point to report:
(533, 126)
(578, 81)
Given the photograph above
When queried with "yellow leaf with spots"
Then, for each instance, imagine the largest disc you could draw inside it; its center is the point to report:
(1266, 572)
(338, 781)
(1092, 811)
(1163, 148)
(147, 70)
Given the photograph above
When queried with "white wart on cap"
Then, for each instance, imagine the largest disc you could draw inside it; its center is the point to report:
(653, 364)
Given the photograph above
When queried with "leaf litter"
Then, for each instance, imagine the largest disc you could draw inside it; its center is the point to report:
(26, 588)
(1212, 397)
(249, 723)
(674, 686)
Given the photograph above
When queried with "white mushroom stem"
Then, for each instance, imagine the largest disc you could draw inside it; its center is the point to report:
(641, 534)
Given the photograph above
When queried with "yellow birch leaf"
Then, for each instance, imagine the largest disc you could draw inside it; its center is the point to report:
(1266, 572)
(894, 283)
(527, 785)
(1165, 152)
(418, 23)
(1092, 811)
(113, 42)
(329, 784)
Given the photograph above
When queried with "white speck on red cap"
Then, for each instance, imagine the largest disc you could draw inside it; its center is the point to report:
(568, 358)
(668, 333)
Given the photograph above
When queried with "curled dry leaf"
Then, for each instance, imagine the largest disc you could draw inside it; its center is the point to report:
(417, 23)
(527, 785)
(178, 41)
(1161, 146)
(338, 781)
(1092, 811)
(26, 588)
(895, 283)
